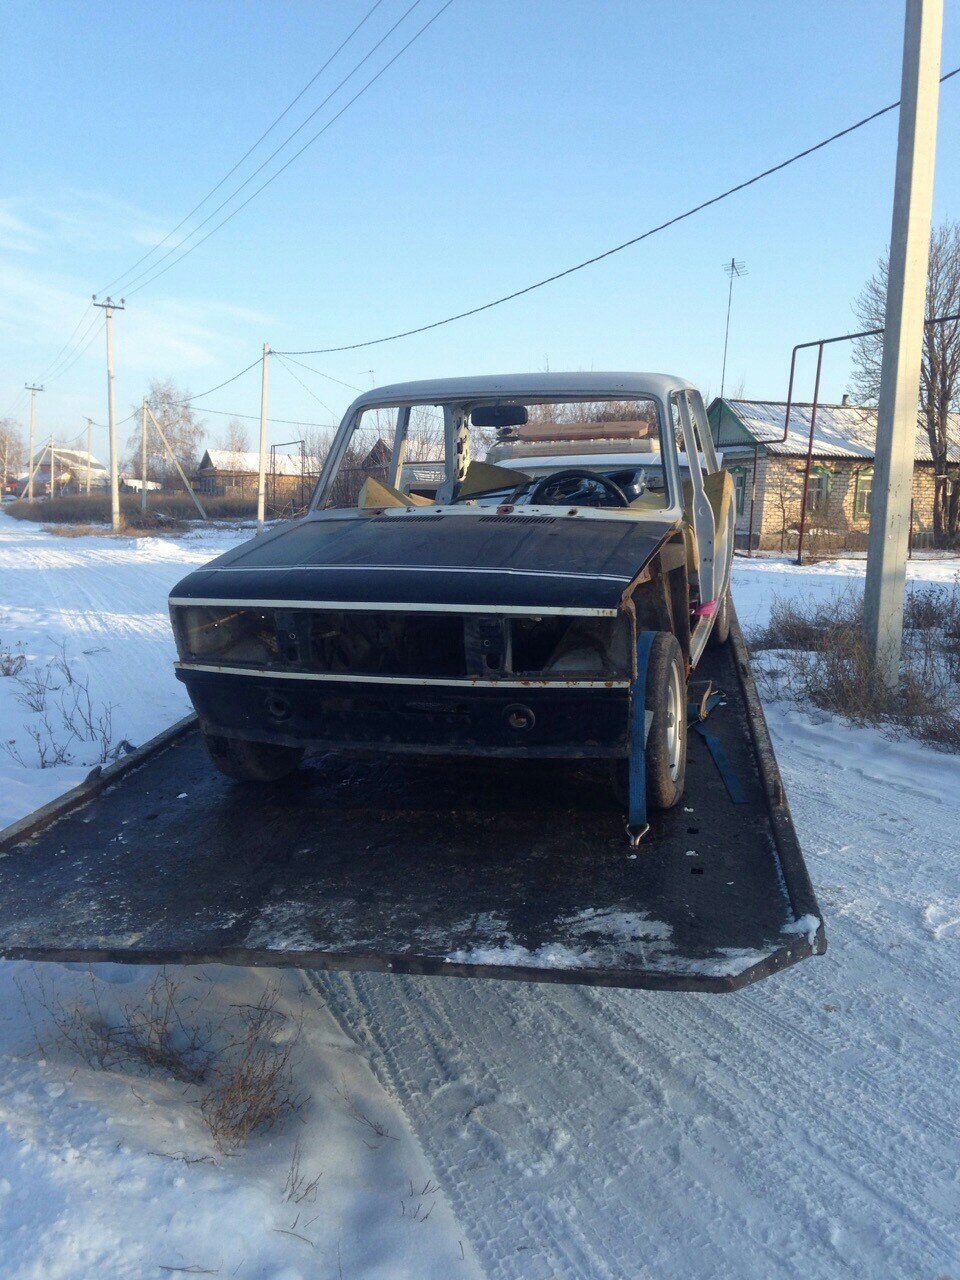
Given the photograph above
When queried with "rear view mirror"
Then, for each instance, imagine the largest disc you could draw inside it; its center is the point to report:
(499, 415)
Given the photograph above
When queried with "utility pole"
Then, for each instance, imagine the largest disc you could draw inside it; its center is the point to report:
(89, 455)
(734, 269)
(143, 458)
(53, 467)
(33, 423)
(109, 307)
(261, 477)
(903, 338)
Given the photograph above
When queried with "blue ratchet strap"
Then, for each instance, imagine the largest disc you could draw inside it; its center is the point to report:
(696, 714)
(637, 825)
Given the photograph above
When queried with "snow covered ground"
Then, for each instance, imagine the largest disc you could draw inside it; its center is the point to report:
(804, 1126)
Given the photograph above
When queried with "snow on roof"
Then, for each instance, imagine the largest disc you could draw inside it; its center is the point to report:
(71, 458)
(841, 431)
(248, 461)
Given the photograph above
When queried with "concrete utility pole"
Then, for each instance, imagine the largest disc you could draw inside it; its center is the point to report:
(89, 455)
(109, 307)
(903, 338)
(33, 424)
(262, 473)
(143, 458)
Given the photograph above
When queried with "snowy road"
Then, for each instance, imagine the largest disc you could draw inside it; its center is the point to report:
(803, 1126)
(806, 1126)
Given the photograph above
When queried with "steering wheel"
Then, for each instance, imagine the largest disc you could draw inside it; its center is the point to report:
(560, 488)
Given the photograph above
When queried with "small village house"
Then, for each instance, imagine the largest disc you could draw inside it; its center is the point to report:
(768, 467)
(60, 471)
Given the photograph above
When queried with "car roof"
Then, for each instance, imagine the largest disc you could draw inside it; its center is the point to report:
(523, 387)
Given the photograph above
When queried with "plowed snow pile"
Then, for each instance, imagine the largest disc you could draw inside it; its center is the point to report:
(804, 1126)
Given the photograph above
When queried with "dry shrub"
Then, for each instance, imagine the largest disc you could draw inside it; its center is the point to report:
(822, 660)
(160, 1031)
(252, 1077)
(168, 511)
(243, 1061)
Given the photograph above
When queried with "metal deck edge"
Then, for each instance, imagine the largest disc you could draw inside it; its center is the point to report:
(432, 966)
(799, 886)
(96, 781)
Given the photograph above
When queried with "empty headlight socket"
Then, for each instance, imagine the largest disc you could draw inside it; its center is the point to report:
(293, 636)
(487, 645)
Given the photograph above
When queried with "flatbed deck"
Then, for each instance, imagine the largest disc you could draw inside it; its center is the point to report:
(480, 868)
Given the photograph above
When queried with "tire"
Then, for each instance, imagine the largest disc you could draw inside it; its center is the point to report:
(251, 761)
(665, 759)
(721, 621)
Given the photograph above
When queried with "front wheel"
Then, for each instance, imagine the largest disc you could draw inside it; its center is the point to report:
(251, 761)
(665, 758)
(665, 755)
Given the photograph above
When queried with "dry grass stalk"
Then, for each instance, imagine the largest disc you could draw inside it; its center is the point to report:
(822, 660)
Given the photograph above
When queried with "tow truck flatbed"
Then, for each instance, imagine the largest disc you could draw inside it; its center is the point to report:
(489, 868)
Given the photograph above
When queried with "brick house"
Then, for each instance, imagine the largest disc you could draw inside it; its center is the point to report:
(768, 471)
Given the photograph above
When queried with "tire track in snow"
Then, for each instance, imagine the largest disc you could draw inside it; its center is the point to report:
(806, 1125)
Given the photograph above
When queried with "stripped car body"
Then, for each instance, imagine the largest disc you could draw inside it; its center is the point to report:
(499, 616)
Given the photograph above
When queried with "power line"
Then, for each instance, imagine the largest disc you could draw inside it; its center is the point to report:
(247, 153)
(320, 374)
(297, 154)
(210, 391)
(273, 154)
(589, 262)
(296, 378)
(47, 373)
(88, 340)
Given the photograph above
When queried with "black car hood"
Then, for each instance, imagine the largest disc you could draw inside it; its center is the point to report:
(448, 560)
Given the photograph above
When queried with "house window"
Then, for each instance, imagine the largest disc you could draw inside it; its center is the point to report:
(739, 475)
(818, 490)
(862, 494)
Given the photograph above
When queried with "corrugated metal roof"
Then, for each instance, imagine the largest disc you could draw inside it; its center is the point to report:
(841, 431)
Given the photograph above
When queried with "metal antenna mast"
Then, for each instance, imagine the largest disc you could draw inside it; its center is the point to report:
(734, 269)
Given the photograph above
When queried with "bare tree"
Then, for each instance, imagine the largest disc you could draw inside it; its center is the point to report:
(940, 367)
(180, 425)
(11, 449)
(235, 437)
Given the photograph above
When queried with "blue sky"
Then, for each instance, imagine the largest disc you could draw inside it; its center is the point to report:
(514, 138)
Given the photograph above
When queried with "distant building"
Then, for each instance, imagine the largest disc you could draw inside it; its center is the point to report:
(768, 472)
(234, 473)
(64, 471)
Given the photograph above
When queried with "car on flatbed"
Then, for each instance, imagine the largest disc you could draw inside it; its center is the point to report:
(489, 566)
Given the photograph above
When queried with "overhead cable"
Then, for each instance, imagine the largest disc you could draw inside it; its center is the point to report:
(289, 107)
(296, 155)
(86, 342)
(273, 154)
(48, 372)
(311, 394)
(200, 394)
(589, 262)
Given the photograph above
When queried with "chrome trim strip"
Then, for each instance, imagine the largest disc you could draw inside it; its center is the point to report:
(371, 606)
(415, 681)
